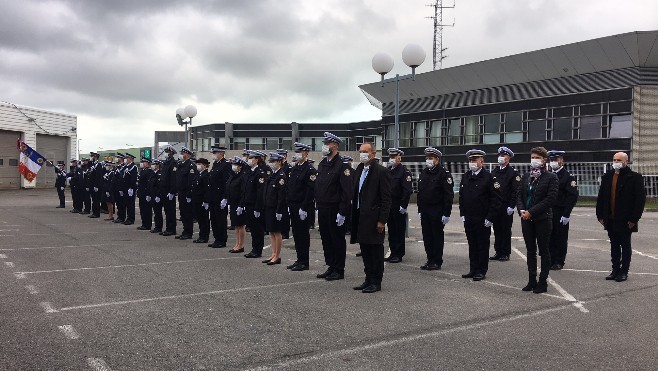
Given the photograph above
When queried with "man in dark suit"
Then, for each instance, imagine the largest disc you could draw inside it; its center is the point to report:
(217, 197)
(370, 210)
(619, 207)
(567, 196)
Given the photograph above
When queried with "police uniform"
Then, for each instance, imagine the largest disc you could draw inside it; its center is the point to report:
(167, 188)
(119, 194)
(75, 184)
(435, 195)
(107, 189)
(567, 197)
(156, 199)
(97, 170)
(235, 186)
(201, 206)
(397, 220)
(333, 196)
(509, 180)
(301, 195)
(285, 233)
(479, 202)
(86, 186)
(60, 184)
(251, 204)
(216, 197)
(274, 200)
(185, 175)
(145, 199)
(129, 187)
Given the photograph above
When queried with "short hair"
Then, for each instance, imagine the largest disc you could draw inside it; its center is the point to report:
(541, 151)
(372, 145)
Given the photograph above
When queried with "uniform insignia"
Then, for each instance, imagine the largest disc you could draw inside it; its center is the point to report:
(191, 171)
(573, 183)
(282, 181)
(346, 172)
(312, 177)
(261, 180)
(174, 168)
(518, 178)
(449, 180)
(496, 185)
(408, 178)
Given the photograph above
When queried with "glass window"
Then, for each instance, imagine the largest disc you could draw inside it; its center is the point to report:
(454, 131)
(537, 114)
(563, 112)
(286, 144)
(620, 107)
(590, 127)
(492, 123)
(562, 129)
(420, 134)
(513, 122)
(514, 137)
(536, 131)
(405, 134)
(13, 162)
(592, 109)
(318, 144)
(621, 126)
(239, 144)
(472, 130)
(435, 133)
(256, 143)
(272, 143)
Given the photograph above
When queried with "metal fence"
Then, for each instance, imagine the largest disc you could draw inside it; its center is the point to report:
(588, 174)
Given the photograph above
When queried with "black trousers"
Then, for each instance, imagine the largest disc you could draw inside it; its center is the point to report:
(186, 216)
(203, 219)
(397, 225)
(373, 262)
(333, 238)
(146, 212)
(86, 200)
(432, 229)
(218, 223)
(130, 207)
(170, 213)
(77, 198)
(502, 227)
(95, 202)
(285, 225)
(156, 209)
(61, 195)
(311, 217)
(301, 233)
(121, 205)
(559, 239)
(257, 229)
(537, 235)
(478, 237)
(620, 249)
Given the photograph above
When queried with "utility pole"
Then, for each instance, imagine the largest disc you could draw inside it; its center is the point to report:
(438, 49)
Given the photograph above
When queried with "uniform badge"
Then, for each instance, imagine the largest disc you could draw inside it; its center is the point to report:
(191, 171)
(174, 168)
(573, 183)
(261, 180)
(346, 172)
(282, 181)
(312, 177)
(449, 180)
(518, 178)
(408, 178)
(496, 185)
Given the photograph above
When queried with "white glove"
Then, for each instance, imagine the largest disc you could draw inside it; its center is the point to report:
(302, 214)
(487, 223)
(340, 220)
(564, 220)
(278, 216)
(61, 188)
(239, 210)
(445, 219)
(157, 199)
(288, 211)
(107, 194)
(419, 217)
(148, 198)
(188, 200)
(257, 214)
(68, 178)
(403, 210)
(95, 189)
(121, 193)
(510, 210)
(229, 208)
(87, 189)
(223, 203)
(130, 192)
(170, 196)
(463, 219)
(205, 205)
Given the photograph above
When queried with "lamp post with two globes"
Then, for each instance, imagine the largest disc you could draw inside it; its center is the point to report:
(183, 113)
(413, 56)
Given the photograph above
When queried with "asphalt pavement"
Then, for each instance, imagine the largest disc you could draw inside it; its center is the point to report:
(85, 294)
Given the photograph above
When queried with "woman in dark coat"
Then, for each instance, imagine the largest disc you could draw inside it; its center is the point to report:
(234, 188)
(274, 199)
(107, 194)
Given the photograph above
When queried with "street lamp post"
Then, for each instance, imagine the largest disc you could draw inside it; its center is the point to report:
(413, 56)
(183, 113)
(79, 139)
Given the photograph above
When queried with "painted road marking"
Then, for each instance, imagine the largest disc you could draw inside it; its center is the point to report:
(3, 256)
(69, 332)
(97, 364)
(48, 307)
(10, 264)
(61, 247)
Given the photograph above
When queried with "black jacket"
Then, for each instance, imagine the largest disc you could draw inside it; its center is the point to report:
(143, 182)
(108, 191)
(235, 187)
(567, 194)
(200, 187)
(185, 174)
(275, 192)
(630, 199)
(435, 192)
(400, 187)
(217, 181)
(374, 204)
(544, 198)
(168, 176)
(76, 177)
(301, 186)
(130, 178)
(154, 184)
(509, 180)
(60, 181)
(253, 188)
(334, 185)
(479, 196)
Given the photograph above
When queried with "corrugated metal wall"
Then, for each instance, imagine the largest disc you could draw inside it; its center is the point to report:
(645, 125)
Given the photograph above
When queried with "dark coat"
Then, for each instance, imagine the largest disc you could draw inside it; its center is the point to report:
(567, 194)
(185, 175)
(130, 177)
(630, 199)
(509, 180)
(435, 191)
(235, 187)
(218, 176)
(401, 189)
(143, 180)
(374, 204)
(168, 176)
(479, 196)
(334, 185)
(275, 191)
(60, 181)
(301, 186)
(200, 187)
(545, 195)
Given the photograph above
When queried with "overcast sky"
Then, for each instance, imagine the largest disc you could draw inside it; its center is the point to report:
(124, 66)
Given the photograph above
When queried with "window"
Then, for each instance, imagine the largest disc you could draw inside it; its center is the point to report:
(536, 131)
(420, 134)
(563, 112)
(537, 114)
(13, 162)
(2, 162)
(389, 135)
(472, 130)
(621, 126)
(317, 143)
(491, 129)
(256, 143)
(592, 109)
(286, 144)
(435, 133)
(620, 107)
(454, 131)
(590, 127)
(272, 144)
(238, 143)
(513, 123)
(562, 129)
(405, 134)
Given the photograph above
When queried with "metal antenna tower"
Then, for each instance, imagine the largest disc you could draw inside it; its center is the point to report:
(438, 49)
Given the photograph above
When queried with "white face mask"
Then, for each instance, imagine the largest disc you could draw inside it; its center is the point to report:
(251, 162)
(326, 150)
(391, 162)
(125, 161)
(235, 168)
(154, 167)
(501, 160)
(199, 168)
(617, 165)
(473, 166)
(141, 165)
(536, 163)
(297, 157)
(364, 157)
(429, 163)
(108, 168)
(272, 166)
(554, 165)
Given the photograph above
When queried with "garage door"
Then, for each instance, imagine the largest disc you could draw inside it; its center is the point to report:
(54, 148)
(9, 176)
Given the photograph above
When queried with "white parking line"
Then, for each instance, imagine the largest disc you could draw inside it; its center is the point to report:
(69, 332)
(3, 256)
(46, 234)
(48, 307)
(9, 264)
(645, 255)
(97, 364)
(9, 230)
(595, 271)
(62, 247)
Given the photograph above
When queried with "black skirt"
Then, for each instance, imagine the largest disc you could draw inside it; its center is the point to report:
(237, 220)
(271, 224)
(106, 198)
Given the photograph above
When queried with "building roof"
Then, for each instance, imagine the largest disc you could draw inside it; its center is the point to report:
(634, 49)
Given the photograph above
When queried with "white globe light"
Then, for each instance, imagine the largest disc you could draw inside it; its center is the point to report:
(190, 111)
(181, 112)
(413, 55)
(382, 63)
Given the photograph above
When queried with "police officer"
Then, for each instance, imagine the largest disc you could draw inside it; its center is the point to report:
(301, 191)
(217, 197)
(252, 201)
(286, 216)
(96, 172)
(199, 200)
(119, 195)
(154, 192)
(479, 202)
(167, 189)
(129, 187)
(60, 183)
(348, 220)
(333, 196)
(75, 183)
(185, 175)
(107, 190)
(86, 186)
(509, 180)
(275, 206)
(567, 196)
(145, 199)
(435, 194)
(400, 193)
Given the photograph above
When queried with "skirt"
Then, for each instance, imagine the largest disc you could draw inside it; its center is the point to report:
(271, 224)
(237, 220)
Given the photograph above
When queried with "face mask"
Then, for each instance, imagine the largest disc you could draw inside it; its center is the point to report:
(141, 165)
(272, 166)
(473, 166)
(199, 168)
(235, 168)
(501, 160)
(429, 163)
(536, 163)
(617, 165)
(326, 150)
(218, 157)
(153, 167)
(125, 161)
(391, 162)
(108, 168)
(297, 157)
(364, 157)
(251, 162)
(554, 165)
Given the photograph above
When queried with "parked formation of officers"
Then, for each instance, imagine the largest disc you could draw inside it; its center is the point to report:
(263, 194)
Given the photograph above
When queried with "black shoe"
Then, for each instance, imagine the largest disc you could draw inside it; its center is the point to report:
(59, 207)
(252, 255)
(74, 211)
(532, 283)
(143, 228)
(200, 240)
(388, 258)
(541, 287)
(371, 289)
(217, 245)
(424, 266)
(293, 265)
(334, 276)
(479, 277)
(299, 268)
(265, 261)
(236, 251)
(92, 216)
(556, 267)
(184, 237)
(468, 275)
(612, 276)
(168, 233)
(433, 267)
(325, 274)
(503, 258)
(394, 259)
(622, 277)
(278, 261)
(156, 230)
(118, 221)
(128, 222)
(85, 212)
(495, 257)
(178, 237)
(362, 286)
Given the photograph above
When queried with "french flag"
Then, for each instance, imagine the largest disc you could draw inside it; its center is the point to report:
(30, 161)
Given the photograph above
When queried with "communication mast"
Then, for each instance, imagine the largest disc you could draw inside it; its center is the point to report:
(438, 50)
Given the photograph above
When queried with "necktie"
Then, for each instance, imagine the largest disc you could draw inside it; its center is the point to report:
(364, 174)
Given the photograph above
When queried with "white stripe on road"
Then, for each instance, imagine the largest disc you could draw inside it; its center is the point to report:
(32, 289)
(595, 271)
(48, 307)
(576, 303)
(19, 276)
(9, 264)
(61, 247)
(645, 255)
(69, 332)
(172, 297)
(98, 364)
(45, 234)
(338, 354)
(9, 230)
(3, 256)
